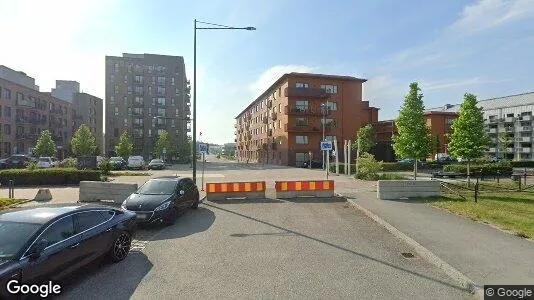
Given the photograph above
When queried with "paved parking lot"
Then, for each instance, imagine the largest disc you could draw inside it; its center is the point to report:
(268, 249)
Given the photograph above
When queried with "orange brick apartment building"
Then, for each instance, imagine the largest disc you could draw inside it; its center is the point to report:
(285, 123)
(438, 121)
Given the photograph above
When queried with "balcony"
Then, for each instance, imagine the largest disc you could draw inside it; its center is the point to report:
(524, 139)
(305, 92)
(493, 120)
(274, 116)
(301, 111)
(526, 150)
(526, 118)
(269, 103)
(526, 128)
(301, 128)
(509, 120)
(265, 120)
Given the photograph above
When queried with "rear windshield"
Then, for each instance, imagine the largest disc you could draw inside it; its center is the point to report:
(157, 161)
(44, 159)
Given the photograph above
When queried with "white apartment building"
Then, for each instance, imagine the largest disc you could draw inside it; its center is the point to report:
(509, 123)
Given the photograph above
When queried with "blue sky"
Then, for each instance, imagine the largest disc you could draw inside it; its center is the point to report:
(449, 47)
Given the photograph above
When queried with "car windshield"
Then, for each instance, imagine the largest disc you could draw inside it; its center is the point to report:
(156, 161)
(157, 187)
(13, 236)
(116, 159)
(44, 159)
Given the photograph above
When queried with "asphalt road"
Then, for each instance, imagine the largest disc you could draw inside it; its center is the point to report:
(267, 249)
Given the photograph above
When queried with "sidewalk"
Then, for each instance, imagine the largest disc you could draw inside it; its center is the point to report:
(484, 254)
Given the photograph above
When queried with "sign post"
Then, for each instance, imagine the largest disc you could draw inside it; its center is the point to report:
(164, 154)
(326, 147)
(203, 148)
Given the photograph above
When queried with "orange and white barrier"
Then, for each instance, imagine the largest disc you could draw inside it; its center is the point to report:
(225, 190)
(307, 188)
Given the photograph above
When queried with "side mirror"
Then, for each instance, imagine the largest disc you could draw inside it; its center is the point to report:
(37, 249)
(182, 192)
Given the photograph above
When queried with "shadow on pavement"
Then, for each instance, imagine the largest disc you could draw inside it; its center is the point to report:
(190, 222)
(108, 281)
(317, 200)
(289, 231)
(246, 201)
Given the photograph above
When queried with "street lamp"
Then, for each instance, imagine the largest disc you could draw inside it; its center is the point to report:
(324, 108)
(215, 27)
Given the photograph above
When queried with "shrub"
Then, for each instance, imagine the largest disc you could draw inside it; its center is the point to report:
(368, 167)
(522, 164)
(105, 166)
(68, 163)
(393, 166)
(391, 176)
(31, 165)
(52, 176)
(502, 168)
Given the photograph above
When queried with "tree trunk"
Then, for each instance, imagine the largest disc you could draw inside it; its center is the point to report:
(415, 170)
(468, 174)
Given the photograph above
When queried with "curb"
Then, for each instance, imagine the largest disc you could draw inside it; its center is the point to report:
(426, 254)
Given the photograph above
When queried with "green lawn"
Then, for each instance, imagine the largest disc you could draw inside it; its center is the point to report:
(5, 202)
(513, 211)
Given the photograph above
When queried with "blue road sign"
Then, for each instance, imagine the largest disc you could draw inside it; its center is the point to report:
(326, 145)
(203, 148)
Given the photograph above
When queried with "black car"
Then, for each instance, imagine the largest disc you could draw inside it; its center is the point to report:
(156, 164)
(315, 164)
(15, 161)
(47, 243)
(118, 163)
(161, 199)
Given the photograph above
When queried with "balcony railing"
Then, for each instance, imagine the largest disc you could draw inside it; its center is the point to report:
(526, 118)
(493, 120)
(301, 128)
(509, 120)
(524, 139)
(526, 150)
(509, 129)
(304, 111)
(305, 92)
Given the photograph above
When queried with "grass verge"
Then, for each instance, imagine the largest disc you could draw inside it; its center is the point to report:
(511, 211)
(6, 202)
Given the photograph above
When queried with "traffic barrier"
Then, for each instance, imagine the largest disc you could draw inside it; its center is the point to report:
(93, 191)
(398, 189)
(225, 190)
(304, 188)
(43, 195)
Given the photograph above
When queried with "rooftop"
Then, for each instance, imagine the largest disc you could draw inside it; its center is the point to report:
(495, 103)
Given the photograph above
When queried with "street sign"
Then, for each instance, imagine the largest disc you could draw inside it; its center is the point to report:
(326, 145)
(164, 150)
(203, 148)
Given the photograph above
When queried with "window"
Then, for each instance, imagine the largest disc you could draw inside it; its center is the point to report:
(149, 132)
(138, 111)
(20, 96)
(279, 123)
(125, 79)
(88, 220)
(116, 132)
(300, 158)
(160, 131)
(449, 121)
(58, 231)
(116, 67)
(116, 111)
(332, 106)
(279, 108)
(279, 91)
(138, 133)
(172, 80)
(7, 94)
(301, 139)
(112, 77)
(150, 90)
(161, 112)
(129, 90)
(329, 138)
(7, 129)
(139, 90)
(177, 112)
(329, 88)
(302, 105)
(138, 79)
(261, 105)
(112, 100)
(160, 101)
(138, 121)
(139, 100)
(160, 90)
(302, 121)
(125, 99)
(172, 101)
(177, 91)
(7, 112)
(301, 85)
(161, 80)
(116, 89)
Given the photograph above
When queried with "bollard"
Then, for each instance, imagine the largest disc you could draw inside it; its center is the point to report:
(498, 176)
(11, 190)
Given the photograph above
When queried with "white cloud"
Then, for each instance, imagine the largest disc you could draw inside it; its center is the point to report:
(446, 84)
(43, 36)
(268, 77)
(486, 14)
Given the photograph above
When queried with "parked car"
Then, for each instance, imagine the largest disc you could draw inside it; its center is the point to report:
(118, 163)
(156, 164)
(161, 199)
(315, 164)
(48, 243)
(15, 161)
(47, 162)
(136, 162)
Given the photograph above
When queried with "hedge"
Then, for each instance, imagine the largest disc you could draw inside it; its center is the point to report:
(392, 166)
(486, 169)
(522, 164)
(342, 168)
(47, 176)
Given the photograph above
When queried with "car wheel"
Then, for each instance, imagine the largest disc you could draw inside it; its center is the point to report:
(195, 204)
(121, 246)
(171, 219)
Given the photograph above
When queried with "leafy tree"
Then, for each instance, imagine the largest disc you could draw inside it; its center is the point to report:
(436, 146)
(45, 145)
(469, 139)
(124, 147)
(164, 142)
(413, 138)
(502, 143)
(83, 141)
(184, 150)
(97, 150)
(368, 167)
(366, 139)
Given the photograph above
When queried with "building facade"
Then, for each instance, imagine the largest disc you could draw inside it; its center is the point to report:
(146, 94)
(90, 111)
(439, 123)
(25, 112)
(509, 124)
(285, 124)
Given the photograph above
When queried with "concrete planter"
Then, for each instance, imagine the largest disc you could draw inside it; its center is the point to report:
(93, 191)
(399, 189)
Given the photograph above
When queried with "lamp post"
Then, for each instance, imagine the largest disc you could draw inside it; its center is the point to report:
(324, 107)
(213, 27)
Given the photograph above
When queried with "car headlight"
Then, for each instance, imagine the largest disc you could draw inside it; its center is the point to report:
(163, 206)
(123, 205)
